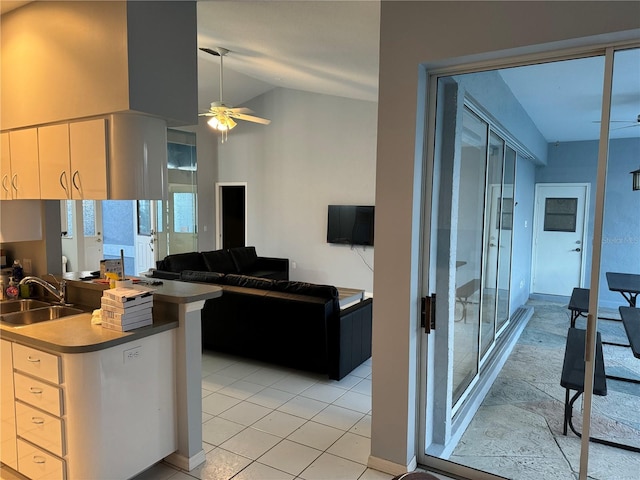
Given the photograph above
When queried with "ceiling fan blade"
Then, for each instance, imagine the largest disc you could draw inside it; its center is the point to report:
(208, 114)
(627, 126)
(250, 118)
(239, 110)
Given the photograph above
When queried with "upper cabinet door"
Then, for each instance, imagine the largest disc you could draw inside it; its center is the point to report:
(6, 192)
(53, 148)
(25, 170)
(88, 147)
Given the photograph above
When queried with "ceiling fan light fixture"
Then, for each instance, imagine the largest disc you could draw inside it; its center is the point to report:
(221, 123)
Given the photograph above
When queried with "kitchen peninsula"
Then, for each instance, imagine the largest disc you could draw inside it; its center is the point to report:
(97, 403)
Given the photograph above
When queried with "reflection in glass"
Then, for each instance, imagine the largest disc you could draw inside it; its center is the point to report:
(505, 231)
(144, 217)
(468, 225)
(491, 242)
(89, 218)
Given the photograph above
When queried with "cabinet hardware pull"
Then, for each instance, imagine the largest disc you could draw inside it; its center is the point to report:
(37, 420)
(64, 185)
(35, 390)
(39, 459)
(76, 174)
(14, 180)
(5, 181)
(33, 359)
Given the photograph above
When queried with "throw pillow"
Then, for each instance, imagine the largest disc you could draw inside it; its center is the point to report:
(244, 258)
(184, 261)
(219, 261)
(197, 276)
(249, 282)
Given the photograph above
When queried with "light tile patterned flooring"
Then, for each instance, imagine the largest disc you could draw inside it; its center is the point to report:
(264, 422)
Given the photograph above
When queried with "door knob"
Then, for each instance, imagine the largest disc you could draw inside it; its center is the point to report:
(576, 250)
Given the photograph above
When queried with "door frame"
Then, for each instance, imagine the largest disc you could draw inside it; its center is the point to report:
(219, 212)
(425, 154)
(537, 216)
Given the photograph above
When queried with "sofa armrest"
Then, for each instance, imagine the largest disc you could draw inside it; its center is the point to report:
(349, 341)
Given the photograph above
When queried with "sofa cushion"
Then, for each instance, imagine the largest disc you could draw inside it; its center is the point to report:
(184, 261)
(304, 288)
(244, 258)
(249, 282)
(219, 261)
(197, 276)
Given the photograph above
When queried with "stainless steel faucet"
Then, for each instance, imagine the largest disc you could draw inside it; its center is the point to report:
(59, 293)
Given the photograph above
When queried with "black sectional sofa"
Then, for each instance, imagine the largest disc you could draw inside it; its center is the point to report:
(296, 324)
(242, 260)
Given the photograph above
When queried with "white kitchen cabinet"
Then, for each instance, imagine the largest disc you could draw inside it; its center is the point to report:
(88, 155)
(73, 160)
(120, 404)
(53, 150)
(137, 157)
(77, 412)
(25, 169)
(6, 192)
(8, 454)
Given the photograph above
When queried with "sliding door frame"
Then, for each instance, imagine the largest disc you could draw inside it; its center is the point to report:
(427, 347)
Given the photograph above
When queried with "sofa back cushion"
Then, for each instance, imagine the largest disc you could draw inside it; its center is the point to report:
(327, 292)
(219, 261)
(198, 276)
(184, 261)
(249, 282)
(244, 258)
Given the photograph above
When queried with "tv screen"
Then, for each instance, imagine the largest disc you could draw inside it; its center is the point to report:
(350, 224)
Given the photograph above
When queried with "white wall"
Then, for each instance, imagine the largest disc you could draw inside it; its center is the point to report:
(414, 33)
(318, 150)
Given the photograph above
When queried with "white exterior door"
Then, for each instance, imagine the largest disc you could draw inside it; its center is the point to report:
(559, 237)
(145, 235)
(92, 234)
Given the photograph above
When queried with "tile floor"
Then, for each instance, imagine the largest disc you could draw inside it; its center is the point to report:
(266, 422)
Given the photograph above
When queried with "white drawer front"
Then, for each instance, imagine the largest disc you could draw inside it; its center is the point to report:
(37, 363)
(39, 394)
(38, 464)
(40, 428)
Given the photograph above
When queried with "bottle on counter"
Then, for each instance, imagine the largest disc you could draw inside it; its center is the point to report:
(2, 288)
(17, 271)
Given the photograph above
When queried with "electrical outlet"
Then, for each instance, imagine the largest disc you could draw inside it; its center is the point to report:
(132, 354)
(26, 265)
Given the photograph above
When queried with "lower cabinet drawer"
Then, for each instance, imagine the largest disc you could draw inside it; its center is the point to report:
(37, 363)
(40, 428)
(38, 464)
(39, 394)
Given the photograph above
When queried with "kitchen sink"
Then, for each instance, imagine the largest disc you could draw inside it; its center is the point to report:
(40, 314)
(11, 306)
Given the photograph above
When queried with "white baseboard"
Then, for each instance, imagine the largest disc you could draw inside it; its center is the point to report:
(390, 467)
(186, 463)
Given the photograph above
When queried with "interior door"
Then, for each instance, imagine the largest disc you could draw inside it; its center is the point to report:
(559, 235)
(231, 215)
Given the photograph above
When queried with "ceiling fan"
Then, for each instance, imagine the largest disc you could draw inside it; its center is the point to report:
(222, 116)
(631, 123)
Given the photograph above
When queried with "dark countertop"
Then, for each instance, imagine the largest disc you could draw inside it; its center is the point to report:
(76, 334)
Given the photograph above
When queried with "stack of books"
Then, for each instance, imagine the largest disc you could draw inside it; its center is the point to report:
(126, 308)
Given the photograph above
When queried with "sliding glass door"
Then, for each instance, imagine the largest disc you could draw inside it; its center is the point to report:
(491, 146)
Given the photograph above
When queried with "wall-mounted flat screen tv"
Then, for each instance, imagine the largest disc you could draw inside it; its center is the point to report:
(350, 224)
